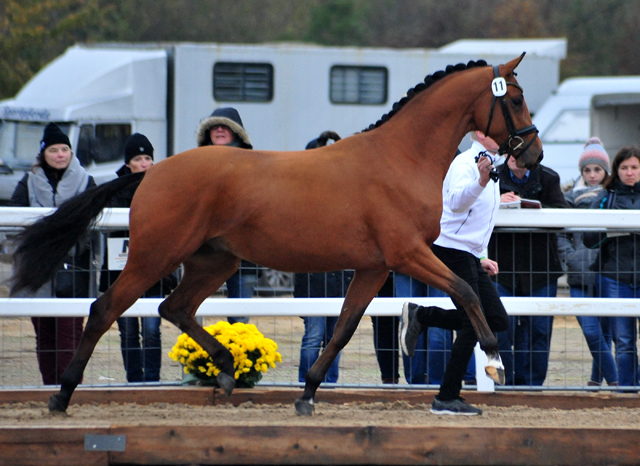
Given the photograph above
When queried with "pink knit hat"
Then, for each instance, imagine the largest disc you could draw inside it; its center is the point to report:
(594, 153)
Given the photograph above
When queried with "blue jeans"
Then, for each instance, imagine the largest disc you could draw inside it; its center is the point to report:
(317, 333)
(524, 348)
(624, 330)
(433, 352)
(597, 333)
(241, 285)
(142, 363)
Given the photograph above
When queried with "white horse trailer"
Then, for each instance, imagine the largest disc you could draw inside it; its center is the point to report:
(286, 94)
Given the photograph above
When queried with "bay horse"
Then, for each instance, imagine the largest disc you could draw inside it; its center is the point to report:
(370, 202)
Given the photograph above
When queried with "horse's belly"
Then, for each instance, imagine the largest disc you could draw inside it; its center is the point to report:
(306, 252)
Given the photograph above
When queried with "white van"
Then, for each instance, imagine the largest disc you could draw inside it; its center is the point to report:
(564, 120)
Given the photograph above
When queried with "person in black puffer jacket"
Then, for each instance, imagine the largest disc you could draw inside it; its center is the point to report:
(141, 361)
(529, 266)
(618, 263)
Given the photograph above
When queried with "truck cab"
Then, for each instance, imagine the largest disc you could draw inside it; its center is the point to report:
(98, 98)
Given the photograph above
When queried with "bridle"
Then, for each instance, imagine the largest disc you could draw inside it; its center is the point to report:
(515, 141)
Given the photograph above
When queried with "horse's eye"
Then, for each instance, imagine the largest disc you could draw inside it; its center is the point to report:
(517, 101)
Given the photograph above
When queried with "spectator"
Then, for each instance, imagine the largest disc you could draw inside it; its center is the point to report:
(619, 258)
(224, 128)
(529, 266)
(579, 261)
(385, 338)
(56, 177)
(470, 204)
(319, 330)
(142, 362)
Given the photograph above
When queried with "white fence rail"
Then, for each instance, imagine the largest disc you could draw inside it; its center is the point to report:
(12, 219)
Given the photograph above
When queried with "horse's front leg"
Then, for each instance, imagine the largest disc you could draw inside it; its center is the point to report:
(363, 287)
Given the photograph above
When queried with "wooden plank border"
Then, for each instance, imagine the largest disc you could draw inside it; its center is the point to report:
(207, 396)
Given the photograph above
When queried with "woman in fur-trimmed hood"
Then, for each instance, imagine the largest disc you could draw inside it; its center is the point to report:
(224, 128)
(219, 126)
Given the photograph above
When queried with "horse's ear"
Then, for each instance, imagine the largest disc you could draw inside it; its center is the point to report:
(513, 64)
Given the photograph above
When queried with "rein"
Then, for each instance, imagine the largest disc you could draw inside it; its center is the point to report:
(515, 141)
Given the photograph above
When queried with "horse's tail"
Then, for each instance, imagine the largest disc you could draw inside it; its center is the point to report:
(42, 246)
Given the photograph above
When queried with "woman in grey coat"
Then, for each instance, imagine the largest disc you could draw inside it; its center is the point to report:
(580, 261)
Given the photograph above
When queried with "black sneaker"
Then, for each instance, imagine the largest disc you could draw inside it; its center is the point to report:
(456, 407)
(410, 329)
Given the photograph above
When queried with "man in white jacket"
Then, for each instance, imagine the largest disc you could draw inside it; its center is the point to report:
(470, 203)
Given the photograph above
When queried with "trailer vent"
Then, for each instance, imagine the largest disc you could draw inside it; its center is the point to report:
(242, 82)
(363, 85)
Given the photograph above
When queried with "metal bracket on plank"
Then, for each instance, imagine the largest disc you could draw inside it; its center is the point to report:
(105, 442)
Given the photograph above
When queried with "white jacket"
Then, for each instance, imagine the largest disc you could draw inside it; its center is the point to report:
(468, 210)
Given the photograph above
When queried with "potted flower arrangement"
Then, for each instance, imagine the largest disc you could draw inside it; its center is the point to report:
(253, 354)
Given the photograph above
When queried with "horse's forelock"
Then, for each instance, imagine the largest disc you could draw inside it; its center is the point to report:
(418, 88)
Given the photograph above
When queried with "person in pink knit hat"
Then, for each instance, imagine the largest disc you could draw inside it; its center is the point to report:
(579, 260)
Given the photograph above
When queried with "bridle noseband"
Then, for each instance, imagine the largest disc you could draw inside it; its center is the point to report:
(515, 141)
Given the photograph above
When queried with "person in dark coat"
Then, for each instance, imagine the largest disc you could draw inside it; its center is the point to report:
(142, 360)
(319, 330)
(618, 262)
(529, 266)
(224, 127)
(56, 177)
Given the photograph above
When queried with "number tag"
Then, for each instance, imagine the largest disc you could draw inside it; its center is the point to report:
(499, 87)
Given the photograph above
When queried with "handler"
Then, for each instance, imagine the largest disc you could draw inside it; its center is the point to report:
(470, 204)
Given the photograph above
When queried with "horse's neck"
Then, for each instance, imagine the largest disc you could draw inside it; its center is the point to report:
(431, 126)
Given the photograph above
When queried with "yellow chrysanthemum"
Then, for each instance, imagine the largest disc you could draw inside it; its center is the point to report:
(252, 353)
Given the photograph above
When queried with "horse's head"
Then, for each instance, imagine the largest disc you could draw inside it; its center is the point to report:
(509, 123)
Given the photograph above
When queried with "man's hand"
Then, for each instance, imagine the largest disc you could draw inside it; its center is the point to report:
(509, 197)
(484, 167)
(491, 267)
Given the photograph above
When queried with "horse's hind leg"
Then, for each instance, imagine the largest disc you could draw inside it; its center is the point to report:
(363, 288)
(204, 273)
(427, 268)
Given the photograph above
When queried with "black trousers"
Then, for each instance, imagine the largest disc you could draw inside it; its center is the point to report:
(468, 267)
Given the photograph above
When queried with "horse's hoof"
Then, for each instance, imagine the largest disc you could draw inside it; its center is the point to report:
(495, 370)
(56, 405)
(304, 407)
(226, 383)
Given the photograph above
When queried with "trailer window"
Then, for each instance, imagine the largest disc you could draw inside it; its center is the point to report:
(242, 82)
(102, 143)
(363, 85)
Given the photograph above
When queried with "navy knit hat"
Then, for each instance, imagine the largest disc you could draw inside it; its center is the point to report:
(53, 135)
(226, 116)
(137, 144)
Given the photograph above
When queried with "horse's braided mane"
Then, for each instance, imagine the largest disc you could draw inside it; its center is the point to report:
(428, 81)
